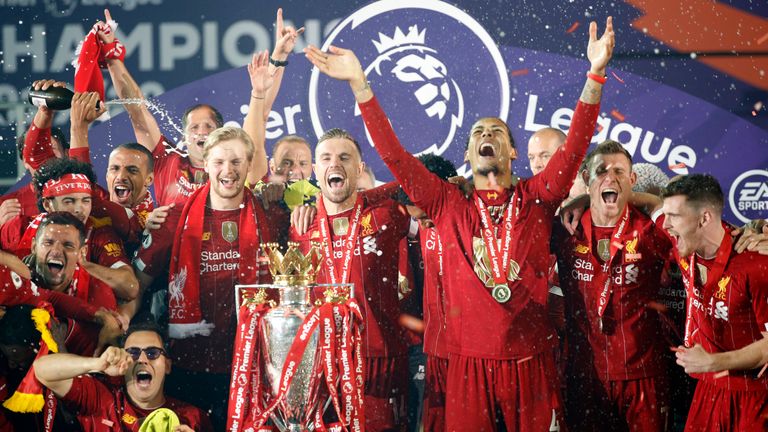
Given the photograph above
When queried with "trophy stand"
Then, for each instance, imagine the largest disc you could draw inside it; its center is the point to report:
(284, 370)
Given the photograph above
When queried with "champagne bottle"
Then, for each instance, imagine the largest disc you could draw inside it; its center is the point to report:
(55, 98)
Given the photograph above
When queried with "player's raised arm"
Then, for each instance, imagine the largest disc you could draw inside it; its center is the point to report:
(144, 124)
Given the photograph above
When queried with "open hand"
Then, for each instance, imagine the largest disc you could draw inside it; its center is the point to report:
(599, 51)
(338, 63)
(261, 78)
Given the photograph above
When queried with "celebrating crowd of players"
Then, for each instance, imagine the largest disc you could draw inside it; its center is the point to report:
(529, 324)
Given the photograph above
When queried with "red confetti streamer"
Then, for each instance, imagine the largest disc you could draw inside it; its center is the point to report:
(617, 115)
(573, 27)
(677, 166)
(762, 39)
(657, 306)
(519, 72)
(762, 371)
(721, 374)
(599, 127)
(617, 77)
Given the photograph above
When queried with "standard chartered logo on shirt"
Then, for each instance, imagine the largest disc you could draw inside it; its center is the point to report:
(433, 67)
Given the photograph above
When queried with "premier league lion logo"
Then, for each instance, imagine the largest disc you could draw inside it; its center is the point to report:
(433, 68)
(406, 62)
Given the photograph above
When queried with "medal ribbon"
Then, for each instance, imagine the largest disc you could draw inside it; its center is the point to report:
(244, 366)
(616, 245)
(349, 243)
(689, 280)
(50, 410)
(499, 266)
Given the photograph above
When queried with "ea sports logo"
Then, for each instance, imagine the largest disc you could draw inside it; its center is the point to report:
(434, 69)
(749, 195)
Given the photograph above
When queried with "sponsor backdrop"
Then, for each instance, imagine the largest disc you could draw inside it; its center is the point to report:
(674, 98)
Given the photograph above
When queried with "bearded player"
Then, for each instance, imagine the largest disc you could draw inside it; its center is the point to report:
(727, 312)
(209, 246)
(377, 228)
(610, 270)
(501, 340)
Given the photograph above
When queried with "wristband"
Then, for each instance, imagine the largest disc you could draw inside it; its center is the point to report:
(278, 63)
(597, 78)
(256, 97)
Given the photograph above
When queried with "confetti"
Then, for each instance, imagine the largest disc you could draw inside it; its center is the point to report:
(599, 127)
(657, 306)
(524, 359)
(758, 106)
(617, 115)
(721, 374)
(754, 114)
(617, 77)
(519, 72)
(574, 26)
(762, 371)
(762, 39)
(677, 166)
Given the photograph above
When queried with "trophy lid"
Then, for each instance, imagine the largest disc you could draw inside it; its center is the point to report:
(293, 268)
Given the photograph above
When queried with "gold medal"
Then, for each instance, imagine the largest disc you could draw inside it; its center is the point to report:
(501, 293)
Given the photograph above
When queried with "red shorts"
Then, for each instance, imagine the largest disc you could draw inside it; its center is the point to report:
(386, 385)
(717, 409)
(526, 393)
(434, 394)
(640, 405)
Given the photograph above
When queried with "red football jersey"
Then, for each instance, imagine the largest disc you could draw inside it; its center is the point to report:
(434, 293)
(175, 177)
(478, 325)
(373, 271)
(101, 406)
(632, 344)
(219, 263)
(27, 199)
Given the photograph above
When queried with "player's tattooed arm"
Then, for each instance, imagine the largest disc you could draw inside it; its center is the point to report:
(599, 52)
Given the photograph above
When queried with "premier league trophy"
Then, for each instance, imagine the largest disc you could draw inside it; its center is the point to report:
(277, 367)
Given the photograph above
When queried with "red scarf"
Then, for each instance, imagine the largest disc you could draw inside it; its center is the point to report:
(143, 209)
(184, 280)
(87, 72)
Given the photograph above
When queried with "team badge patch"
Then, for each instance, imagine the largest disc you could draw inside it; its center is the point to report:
(200, 177)
(229, 231)
(341, 226)
(702, 273)
(630, 251)
(368, 225)
(604, 249)
(722, 287)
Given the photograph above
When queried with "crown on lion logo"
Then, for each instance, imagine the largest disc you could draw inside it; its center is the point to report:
(292, 267)
(385, 43)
